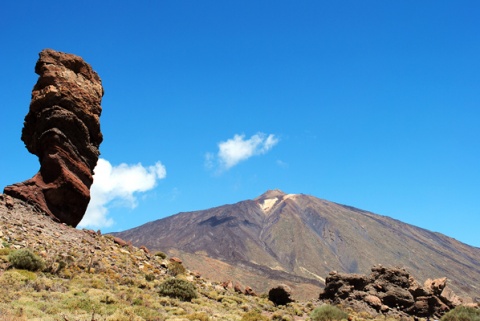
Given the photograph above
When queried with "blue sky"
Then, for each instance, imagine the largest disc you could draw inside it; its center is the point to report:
(373, 104)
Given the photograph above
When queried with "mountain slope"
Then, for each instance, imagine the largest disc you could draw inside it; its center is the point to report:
(89, 276)
(298, 239)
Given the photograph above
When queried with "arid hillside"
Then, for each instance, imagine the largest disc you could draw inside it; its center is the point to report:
(82, 275)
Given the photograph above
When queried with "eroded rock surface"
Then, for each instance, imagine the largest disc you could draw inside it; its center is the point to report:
(62, 128)
(390, 291)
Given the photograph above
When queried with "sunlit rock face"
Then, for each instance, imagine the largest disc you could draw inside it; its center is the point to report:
(62, 128)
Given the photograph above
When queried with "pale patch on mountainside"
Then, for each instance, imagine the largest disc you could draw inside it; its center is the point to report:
(311, 273)
(277, 268)
(290, 196)
(268, 204)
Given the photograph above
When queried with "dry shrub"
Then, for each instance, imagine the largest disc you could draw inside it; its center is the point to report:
(462, 313)
(198, 316)
(328, 313)
(161, 255)
(175, 268)
(125, 314)
(254, 316)
(26, 260)
(179, 289)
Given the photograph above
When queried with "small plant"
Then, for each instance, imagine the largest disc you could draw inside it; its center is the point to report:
(161, 255)
(150, 277)
(328, 313)
(462, 313)
(198, 316)
(278, 316)
(254, 316)
(5, 251)
(175, 268)
(26, 260)
(179, 289)
(137, 301)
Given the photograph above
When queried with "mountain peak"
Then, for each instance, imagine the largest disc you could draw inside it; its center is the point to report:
(273, 193)
(269, 199)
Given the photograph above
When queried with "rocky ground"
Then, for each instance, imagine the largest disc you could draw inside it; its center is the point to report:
(90, 276)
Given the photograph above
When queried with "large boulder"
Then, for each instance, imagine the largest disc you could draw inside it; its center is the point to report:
(280, 295)
(62, 128)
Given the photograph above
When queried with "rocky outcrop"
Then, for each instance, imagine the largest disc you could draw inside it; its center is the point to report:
(280, 295)
(62, 128)
(390, 291)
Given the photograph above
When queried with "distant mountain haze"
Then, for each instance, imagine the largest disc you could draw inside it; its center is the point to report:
(298, 239)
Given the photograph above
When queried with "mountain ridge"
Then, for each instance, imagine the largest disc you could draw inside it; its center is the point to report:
(298, 239)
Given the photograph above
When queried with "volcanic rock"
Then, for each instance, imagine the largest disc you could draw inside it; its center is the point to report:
(62, 128)
(250, 291)
(390, 290)
(280, 295)
(435, 286)
(120, 242)
(176, 260)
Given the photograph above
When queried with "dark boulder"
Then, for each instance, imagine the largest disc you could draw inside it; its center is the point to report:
(280, 295)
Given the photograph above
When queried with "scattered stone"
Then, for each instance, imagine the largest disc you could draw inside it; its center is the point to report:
(250, 291)
(196, 274)
(227, 285)
(176, 260)
(120, 242)
(373, 300)
(238, 287)
(8, 202)
(62, 128)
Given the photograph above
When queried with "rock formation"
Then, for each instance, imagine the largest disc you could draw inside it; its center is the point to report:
(390, 290)
(62, 128)
(280, 295)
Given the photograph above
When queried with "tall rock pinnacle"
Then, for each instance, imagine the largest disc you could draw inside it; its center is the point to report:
(62, 128)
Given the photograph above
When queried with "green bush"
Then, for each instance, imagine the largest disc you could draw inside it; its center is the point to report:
(150, 277)
(462, 313)
(175, 268)
(254, 316)
(26, 260)
(161, 255)
(179, 289)
(328, 313)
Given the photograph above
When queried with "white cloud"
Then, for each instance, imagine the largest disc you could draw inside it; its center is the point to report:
(237, 149)
(119, 185)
